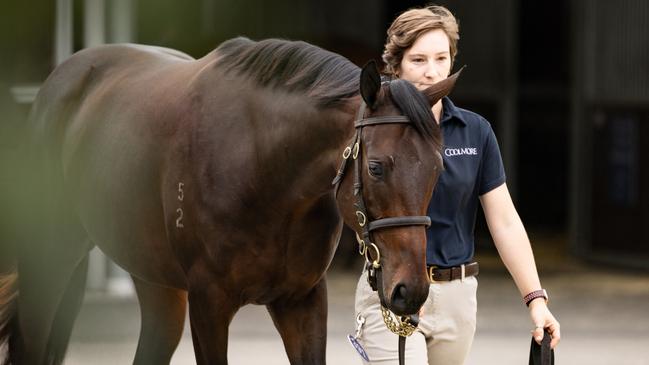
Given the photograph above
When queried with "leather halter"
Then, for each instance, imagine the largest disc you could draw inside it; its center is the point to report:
(366, 226)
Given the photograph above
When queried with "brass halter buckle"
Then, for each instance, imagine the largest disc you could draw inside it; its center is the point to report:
(362, 248)
(362, 219)
(347, 152)
(376, 263)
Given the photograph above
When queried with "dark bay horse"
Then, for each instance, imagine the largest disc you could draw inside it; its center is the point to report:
(210, 182)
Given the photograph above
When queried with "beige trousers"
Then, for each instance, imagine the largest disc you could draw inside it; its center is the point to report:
(445, 330)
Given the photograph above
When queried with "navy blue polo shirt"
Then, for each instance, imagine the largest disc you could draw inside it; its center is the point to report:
(472, 167)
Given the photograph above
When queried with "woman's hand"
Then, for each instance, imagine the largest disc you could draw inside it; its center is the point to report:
(542, 318)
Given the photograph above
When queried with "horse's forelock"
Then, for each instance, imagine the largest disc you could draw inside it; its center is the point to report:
(414, 105)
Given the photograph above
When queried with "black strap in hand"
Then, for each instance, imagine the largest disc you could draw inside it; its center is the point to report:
(542, 354)
(402, 350)
(414, 320)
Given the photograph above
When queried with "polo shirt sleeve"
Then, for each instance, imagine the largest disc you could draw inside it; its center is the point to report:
(492, 171)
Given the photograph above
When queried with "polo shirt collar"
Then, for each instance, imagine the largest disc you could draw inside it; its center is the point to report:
(450, 112)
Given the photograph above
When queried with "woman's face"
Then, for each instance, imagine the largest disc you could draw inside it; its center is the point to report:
(428, 60)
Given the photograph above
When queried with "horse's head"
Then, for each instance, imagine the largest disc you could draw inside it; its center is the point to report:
(389, 183)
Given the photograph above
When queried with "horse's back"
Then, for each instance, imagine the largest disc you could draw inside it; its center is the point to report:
(71, 84)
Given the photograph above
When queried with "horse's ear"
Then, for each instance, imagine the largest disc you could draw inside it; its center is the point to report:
(440, 89)
(370, 83)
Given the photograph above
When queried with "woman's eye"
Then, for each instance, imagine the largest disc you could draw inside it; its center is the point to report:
(376, 169)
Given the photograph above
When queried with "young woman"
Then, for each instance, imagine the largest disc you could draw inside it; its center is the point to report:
(421, 47)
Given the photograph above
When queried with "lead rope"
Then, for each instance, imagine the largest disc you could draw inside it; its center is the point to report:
(402, 350)
(542, 354)
(411, 323)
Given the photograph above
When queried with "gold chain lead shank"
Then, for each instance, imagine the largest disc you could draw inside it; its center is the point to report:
(396, 325)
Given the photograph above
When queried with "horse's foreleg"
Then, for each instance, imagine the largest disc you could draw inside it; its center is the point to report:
(303, 325)
(210, 312)
(162, 311)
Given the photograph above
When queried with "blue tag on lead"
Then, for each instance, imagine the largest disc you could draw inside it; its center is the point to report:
(358, 347)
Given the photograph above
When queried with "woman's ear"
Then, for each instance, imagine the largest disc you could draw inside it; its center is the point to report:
(440, 89)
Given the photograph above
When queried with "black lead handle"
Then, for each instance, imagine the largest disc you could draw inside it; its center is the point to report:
(402, 350)
(542, 354)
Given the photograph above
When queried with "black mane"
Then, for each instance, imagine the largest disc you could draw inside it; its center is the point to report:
(292, 66)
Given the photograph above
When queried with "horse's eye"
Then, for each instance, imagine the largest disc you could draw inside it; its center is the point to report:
(376, 169)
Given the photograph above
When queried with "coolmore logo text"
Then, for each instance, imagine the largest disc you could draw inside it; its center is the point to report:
(460, 151)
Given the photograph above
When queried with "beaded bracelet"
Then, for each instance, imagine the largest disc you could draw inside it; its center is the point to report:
(535, 294)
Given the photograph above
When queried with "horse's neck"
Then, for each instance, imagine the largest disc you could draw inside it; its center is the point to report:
(323, 133)
(313, 138)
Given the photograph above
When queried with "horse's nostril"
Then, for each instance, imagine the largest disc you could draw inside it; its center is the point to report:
(399, 295)
(405, 300)
(402, 291)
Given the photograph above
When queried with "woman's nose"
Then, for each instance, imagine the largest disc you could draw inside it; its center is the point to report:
(431, 73)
